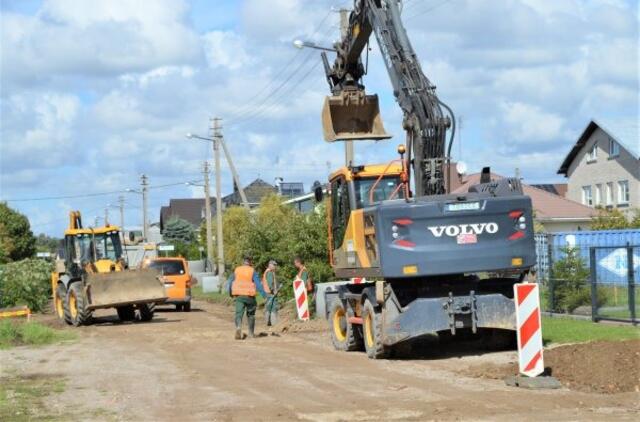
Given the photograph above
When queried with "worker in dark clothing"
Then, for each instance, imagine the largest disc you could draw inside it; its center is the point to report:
(303, 274)
(270, 285)
(243, 285)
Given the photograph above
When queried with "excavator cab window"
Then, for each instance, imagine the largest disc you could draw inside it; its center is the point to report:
(383, 190)
(340, 210)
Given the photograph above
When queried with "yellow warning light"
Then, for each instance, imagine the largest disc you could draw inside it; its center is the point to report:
(401, 149)
(410, 269)
(516, 262)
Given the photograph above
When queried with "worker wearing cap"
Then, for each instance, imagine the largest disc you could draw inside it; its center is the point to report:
(270, 285)
(243, 285)
(303, 274)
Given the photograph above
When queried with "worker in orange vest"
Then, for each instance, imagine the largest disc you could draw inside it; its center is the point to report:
(243, 285)
(270, 285)
(304, 275)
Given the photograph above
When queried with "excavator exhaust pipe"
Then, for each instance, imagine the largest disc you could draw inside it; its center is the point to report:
(352, 116)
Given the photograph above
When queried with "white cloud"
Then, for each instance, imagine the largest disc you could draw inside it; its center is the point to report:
(226, 49)
(527, 123)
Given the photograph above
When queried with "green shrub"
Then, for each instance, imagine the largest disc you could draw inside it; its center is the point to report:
(570, 275)
(25, 282)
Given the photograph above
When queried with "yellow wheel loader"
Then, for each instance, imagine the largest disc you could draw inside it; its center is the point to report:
(94, 275)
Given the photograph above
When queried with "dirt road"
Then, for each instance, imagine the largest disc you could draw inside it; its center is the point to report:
(186, 366)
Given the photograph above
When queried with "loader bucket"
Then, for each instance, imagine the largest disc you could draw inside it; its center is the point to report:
(346, 120)
(119, 288)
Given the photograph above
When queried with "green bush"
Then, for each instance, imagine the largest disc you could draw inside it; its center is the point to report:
(26, 282)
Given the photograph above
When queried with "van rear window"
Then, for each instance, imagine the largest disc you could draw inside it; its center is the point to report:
(168, 267)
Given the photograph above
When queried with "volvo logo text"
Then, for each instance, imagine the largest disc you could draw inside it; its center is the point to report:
(456, 230)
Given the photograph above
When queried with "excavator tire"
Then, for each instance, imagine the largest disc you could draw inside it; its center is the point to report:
(372, 331)
(77, 304)
(344, 335)
(60, 304)
(146, 311)
(126, 313)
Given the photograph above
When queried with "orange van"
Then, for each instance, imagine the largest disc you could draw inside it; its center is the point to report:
(177, 281)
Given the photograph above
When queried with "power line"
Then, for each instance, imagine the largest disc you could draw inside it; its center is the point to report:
(428, 9)
(90, 195)
(258, 109)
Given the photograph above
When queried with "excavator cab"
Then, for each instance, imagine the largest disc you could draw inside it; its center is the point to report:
(352, 115)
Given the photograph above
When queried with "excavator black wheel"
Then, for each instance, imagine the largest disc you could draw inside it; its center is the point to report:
(345, 336)
(372, 331)
(77, 313)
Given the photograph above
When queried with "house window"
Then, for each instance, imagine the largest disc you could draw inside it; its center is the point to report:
(592, 155)
(598, 194)
(623, 192)
(586, 196)
(609, 194)
(614, 148)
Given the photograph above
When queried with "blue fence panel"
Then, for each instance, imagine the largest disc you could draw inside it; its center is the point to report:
(611, 262)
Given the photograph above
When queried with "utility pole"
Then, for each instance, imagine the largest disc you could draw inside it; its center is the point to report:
(106, 216)
(145, 221)
(121, 206)
(216, 152)
(344, 29)
(207, 210)
(234, 173)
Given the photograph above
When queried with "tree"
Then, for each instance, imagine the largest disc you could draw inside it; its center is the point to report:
(45, 243)
(16, 239)
(277, 231)
(179, 230)
(614, 219)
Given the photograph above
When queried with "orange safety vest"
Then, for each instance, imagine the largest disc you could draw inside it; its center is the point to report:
(265, 285)
(309, 282)
(243, 282)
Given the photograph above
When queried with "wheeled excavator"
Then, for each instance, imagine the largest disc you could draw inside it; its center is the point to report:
(432, 262)
(93, 274)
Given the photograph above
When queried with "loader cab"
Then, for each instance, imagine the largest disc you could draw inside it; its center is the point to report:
(100, 247)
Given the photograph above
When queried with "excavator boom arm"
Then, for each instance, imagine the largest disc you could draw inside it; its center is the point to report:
(424, 120)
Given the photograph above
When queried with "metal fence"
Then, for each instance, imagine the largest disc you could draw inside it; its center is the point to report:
(614, 279)
(597, 282)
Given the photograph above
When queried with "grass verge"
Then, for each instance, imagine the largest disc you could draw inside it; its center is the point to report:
(215, 297)
(560, 330)
(13, 333)
(22, 398)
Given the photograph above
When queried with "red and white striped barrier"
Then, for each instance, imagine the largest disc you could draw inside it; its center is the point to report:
(302, 305)
(527, 300)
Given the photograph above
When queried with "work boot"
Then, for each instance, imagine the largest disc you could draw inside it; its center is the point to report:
(252, 326)
(238, 334)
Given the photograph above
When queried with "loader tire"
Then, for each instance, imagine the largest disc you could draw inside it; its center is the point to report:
(146, 311)
(60, 304)
(77, 304)
(344, 335)
(372, 331)
(126, 313)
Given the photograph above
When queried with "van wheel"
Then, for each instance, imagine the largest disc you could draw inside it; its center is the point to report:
(145, 311)
(179, 308)
(60, 304)
(344, 335)
(372, 331)
(77, 304)
(187, 307)
(126, 313)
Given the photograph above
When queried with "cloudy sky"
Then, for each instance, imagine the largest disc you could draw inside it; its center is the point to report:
(95, 93)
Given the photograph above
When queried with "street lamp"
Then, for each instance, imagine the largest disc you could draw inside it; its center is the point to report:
(310, 44)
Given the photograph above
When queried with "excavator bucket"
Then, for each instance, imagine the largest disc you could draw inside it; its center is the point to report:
(352, 116)
(119, 288)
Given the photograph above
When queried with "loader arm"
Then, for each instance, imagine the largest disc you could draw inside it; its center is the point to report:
(424, 120)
